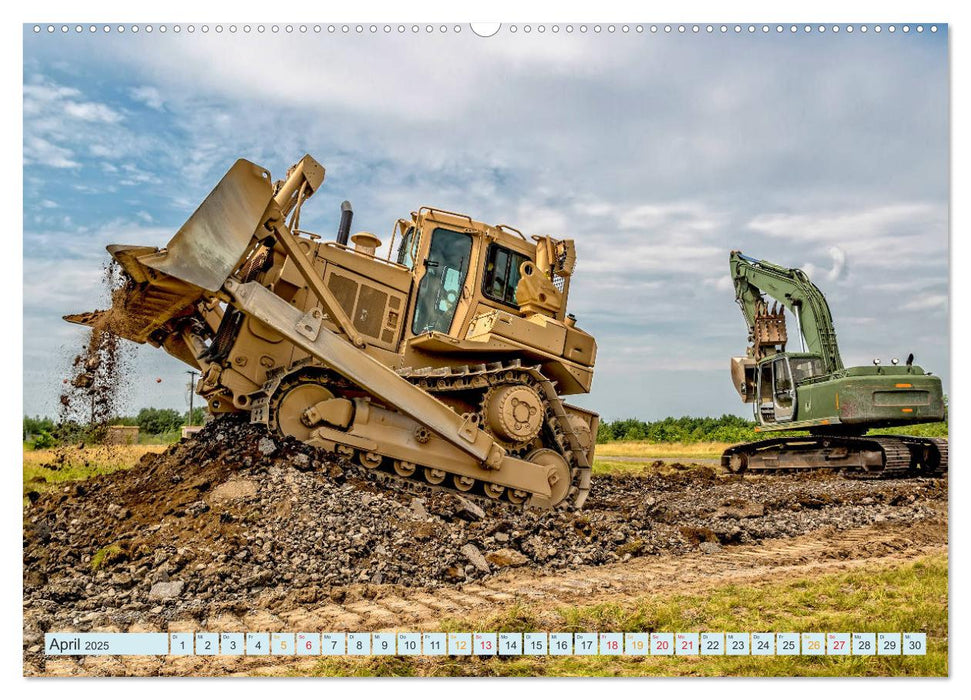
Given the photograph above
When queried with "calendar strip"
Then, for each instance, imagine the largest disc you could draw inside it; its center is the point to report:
(486, 644)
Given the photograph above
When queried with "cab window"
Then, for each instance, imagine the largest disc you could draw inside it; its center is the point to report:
(440, 289)
(501, 275)
(805, 368)
(783, 384)
(405, 251)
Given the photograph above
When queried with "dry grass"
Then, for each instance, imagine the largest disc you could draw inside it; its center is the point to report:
(665, 450)
(47, 469)
(619, 467)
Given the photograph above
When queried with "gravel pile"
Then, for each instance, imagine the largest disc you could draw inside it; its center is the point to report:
(234, 518)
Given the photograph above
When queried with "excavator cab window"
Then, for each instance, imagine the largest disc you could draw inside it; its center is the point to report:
(440, 289)
(782, 389)
(501, 275)
(805, 368)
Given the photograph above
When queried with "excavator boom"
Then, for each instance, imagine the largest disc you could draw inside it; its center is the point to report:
(793, 289)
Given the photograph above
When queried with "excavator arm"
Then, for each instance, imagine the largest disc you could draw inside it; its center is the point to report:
(790, 287)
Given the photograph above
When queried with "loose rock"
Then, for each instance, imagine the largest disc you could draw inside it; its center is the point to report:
(472, 553)
(166, 589)
(506, 557)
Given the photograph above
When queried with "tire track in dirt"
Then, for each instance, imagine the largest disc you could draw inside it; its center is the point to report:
(392, 607)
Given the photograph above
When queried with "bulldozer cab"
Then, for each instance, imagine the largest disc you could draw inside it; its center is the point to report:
(462, 269)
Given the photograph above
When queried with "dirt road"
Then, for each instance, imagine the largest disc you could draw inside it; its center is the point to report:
(386, 608)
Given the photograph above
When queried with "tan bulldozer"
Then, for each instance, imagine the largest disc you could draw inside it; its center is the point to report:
(446, 363)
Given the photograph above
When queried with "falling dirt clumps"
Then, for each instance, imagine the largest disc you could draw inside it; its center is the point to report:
(93, 390)
(235, 518)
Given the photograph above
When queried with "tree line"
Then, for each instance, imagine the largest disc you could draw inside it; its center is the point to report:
(686, 429)
(727, 428)
(155, 422)
(44, 432)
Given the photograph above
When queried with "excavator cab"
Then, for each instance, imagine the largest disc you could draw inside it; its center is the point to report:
(778, 379)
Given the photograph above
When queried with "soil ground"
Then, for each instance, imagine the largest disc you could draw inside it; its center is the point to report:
(233, 531)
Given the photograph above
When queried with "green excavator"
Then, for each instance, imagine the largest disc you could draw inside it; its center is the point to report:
(812, 391)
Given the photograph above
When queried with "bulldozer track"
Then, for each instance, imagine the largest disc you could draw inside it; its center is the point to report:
(902, 456)
(490, 375)
(479, 378)
(391, 608)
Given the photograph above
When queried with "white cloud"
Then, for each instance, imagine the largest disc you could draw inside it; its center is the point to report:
(91, 112)
(890, 237)
(836, 271)
(44, 99)
(722, 283)
(40, 151)
(136, 176)
(845, 226)
(147, 95)
(927, 302)
(37, 97)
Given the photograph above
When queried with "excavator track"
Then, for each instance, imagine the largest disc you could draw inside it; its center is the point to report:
(868, 457)
(557, 431)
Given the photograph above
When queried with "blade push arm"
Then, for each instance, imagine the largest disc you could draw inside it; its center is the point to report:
(790, 287)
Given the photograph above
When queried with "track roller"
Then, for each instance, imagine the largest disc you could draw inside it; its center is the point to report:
(463, 483)
(371, 460)
(434, 476)
(403, 468)
(493, 491)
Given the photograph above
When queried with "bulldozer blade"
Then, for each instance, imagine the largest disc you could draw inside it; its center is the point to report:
(208, 247)
(88, 318)
(138, 311)
(198, 259)
(150, 301)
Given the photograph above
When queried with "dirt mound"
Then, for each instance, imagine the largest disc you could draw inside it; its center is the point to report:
(235, 518)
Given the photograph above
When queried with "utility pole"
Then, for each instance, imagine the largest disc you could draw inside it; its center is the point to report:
(192, 390)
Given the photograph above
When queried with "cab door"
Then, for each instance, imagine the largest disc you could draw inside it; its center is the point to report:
(764, 407)
(441, 287)
(783, 390)
(775, 396)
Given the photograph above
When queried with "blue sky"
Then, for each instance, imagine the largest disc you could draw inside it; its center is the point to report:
(657, 153)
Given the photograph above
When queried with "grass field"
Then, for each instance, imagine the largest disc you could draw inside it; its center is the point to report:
(662, 450)
(909, 597)
(47, 469)
(648, 466)
(636, 457)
